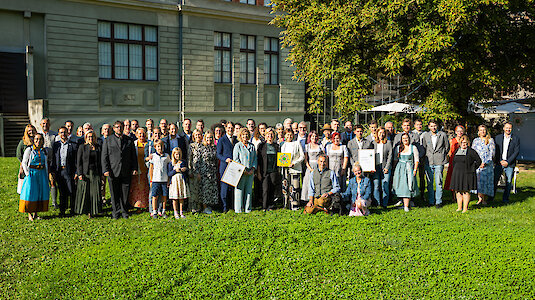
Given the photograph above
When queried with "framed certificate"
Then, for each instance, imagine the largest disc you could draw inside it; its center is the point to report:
(233, 173)
(284, 159)
(367, 160)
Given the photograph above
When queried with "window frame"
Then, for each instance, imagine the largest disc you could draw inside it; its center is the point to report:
(270, 52)
(248, 51)
(222, 48)
(112, 40)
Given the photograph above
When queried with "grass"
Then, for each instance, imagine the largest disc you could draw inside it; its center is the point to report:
(427, 253)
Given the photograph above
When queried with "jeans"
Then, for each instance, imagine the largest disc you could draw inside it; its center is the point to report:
(381, 182)
(244, 190)
(509, 172)
(434, 172)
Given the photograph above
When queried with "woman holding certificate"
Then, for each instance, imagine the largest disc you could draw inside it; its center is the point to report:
(405, 184)
(292, 173)
(338, 158)
(383, 167)
(245, 154)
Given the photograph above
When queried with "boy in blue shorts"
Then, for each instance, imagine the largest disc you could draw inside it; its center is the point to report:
(159, 161)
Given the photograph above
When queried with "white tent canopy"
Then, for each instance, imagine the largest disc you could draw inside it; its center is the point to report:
(396, 107)
(508, 108)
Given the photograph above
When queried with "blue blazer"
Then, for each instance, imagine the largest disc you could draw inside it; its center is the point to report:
(182, 144)
(351, 190)
(512, 150)
(224, 150)
(72, 149)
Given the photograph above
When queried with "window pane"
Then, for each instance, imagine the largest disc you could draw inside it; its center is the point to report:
(151, 34)
(250, 63)
(243, 42)
(121, 61)
(135, 32)
(217, 39)
(104, 59)
(121, 31)
(104, 29)
(226, 40)
(275, 45)
(217, 66)
(136, 62)
(251, 45)
(266, 69)
(253, 2)
(266, 44)
(226, 77)
(226, 61)
(250, 78)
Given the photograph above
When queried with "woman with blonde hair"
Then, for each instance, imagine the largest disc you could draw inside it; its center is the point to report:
(454, 145)
(88, 170)
(359, 191)
(244, 153)
(194, 166)
(209, 174)
(383, 167)
(139, 187)
(178, 190)
(24, 143)
(464, 178)
(485, 147)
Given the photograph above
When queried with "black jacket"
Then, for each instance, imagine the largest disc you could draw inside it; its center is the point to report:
(262, 158)
(473, 161)
(119, 156)
(512, 151)
(82, 162)
(55, 165)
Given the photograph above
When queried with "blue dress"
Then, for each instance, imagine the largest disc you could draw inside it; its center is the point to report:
(485, 176)
(35, 190)
(405, 184)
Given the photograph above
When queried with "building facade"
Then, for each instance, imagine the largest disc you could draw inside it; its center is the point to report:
(99, 61)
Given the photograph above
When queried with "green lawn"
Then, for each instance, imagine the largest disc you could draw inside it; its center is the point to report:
(426, 253)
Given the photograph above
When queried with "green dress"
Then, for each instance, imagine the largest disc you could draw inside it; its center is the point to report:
(405, 184)
(88, 200)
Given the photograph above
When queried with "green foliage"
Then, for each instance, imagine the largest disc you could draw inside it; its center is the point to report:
(427, 253)
(446, 51)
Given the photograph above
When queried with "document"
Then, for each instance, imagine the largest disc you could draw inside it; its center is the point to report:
(367, 160)
(233, 173)
(284, 159)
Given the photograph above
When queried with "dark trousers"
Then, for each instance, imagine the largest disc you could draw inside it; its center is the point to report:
(257, 191)
(423, 180)
(65, 183)
(226, 195)
(271, 188)
(119, 190)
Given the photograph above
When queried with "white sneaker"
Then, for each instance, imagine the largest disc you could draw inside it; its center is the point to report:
(406, 209)
(399, 203)
(207, 210)
(177, 216)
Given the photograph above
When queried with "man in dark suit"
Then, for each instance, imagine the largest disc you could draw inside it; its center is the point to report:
(119, 163)
(63, 168)
(173, 140)
(507, 149)
(225, 147)
(186, 130)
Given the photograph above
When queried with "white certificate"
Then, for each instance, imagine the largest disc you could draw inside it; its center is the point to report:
(233, 173)
(367, 160)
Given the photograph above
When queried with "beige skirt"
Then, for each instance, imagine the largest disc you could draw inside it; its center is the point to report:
(178, 189)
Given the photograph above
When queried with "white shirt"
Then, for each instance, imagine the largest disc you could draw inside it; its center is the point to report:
(379, 154)
(506, 141)
(159, 167)
(434, 139)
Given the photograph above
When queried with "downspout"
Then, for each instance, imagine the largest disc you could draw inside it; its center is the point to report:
(181, 105)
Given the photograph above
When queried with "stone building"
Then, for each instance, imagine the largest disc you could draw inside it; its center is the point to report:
(99, 61)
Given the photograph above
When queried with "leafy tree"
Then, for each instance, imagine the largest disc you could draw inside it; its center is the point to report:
(446, 51)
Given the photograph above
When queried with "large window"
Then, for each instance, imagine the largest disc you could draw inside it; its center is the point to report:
(247, 59)
(222, 57)
(271, 60)
(127, 51)
(253, 2)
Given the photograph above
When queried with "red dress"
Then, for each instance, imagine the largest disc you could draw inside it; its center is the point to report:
(454, 145)
(139, 187)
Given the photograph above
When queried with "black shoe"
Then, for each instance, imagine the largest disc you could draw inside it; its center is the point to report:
(438, 206)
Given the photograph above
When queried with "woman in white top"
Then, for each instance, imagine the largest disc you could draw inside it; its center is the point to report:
(312, 150)
(293, 172)
(256, 139)
(338, 158)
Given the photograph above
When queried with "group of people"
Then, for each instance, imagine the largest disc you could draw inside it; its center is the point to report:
(147, 167)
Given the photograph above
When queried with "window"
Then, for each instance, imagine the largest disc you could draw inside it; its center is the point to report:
(253, 2)
(247, 59)
(222, 57)
(271, 60)
(127, 51)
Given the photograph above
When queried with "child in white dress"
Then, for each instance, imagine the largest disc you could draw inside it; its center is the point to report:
(177, 184)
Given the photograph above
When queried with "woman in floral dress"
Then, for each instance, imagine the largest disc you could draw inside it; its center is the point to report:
(485, 147)
(208, 192)
(194, 166)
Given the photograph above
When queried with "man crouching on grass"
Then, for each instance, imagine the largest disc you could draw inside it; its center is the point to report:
(323, 189)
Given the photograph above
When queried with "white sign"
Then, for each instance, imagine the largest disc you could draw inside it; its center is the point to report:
(233, 173)
(367, 160)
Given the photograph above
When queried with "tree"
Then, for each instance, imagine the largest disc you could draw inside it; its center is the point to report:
(446, 51)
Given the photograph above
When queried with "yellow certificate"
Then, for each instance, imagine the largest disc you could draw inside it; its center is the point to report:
(284, 159)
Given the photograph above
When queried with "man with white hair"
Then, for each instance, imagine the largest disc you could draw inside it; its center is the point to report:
(287, 124)
(87, 127)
